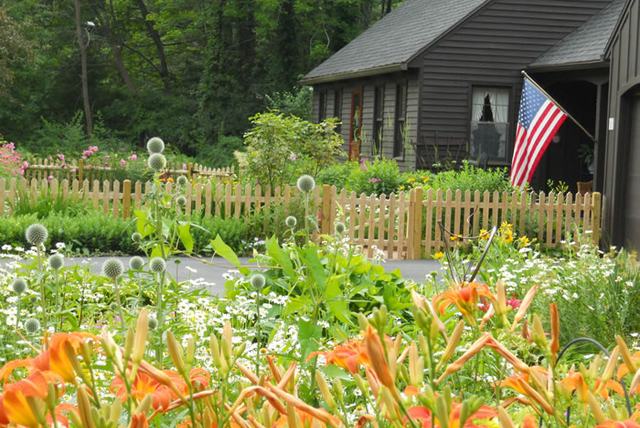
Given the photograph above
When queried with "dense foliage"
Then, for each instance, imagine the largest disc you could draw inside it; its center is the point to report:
(189, 70)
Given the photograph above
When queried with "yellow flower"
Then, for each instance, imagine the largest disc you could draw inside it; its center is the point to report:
(523, 241)
(401, 187)
(455, 237)
(411, 180)
(425, 178)
(484, 234)
(438, 255)
(508, 237)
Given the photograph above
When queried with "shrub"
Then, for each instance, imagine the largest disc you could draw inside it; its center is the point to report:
(380, 176)
(280, 148)
(337, 174)
(471, 178)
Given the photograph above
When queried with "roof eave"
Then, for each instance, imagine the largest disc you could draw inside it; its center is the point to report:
(580, 65)
(328, 78)
(614, 33)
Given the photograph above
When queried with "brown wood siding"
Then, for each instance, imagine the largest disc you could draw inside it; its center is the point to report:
(490, 48)
(624, 78)
(408, 161)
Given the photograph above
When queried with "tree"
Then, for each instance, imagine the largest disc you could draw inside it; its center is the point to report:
(82, 46)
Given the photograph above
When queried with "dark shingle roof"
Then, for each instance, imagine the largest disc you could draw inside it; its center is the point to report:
(585, 45)
(394, 40)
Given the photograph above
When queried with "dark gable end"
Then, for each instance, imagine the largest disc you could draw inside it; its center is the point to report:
(490, 49)
(587, 45)
(393, 41)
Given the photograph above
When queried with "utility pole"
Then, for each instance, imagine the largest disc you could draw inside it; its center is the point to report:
(82, 45)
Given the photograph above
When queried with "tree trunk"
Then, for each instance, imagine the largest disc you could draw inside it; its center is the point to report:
(122, 70)
(83, 73)
(157, 41)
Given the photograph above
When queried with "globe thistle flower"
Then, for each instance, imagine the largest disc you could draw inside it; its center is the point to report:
(56, 261)
(181, 200)
(257, 281)
(136, 237)
(112, 268)
(155, 145)
(340, 228)
(157, 265)
(291, 222)
(32, 325)
(19, 285)
(182, 180)
(153, 323)
(136, 263)
(157, 161)
(306, 183)
(36, 234)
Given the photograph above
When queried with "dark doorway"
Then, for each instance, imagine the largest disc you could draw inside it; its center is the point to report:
(355, 132)
(570, 156)
(631, 210)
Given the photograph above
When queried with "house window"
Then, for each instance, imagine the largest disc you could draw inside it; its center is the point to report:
(489, 124)
(337, 109)
(401, 120)
(322, 106)
(378, 120)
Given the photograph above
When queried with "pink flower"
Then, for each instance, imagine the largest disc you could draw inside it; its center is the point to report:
(123, 163)
(133, 157)
(50, 178)
(375, 180)
(93, 149)
(61, 157)
(293, 157)
(514, 303)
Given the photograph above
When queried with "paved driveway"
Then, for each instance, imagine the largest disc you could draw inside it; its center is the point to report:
(212, 270)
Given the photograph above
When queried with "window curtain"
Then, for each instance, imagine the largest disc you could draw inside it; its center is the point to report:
(490, 103)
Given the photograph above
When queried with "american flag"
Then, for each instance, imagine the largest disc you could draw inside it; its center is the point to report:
(539, 120)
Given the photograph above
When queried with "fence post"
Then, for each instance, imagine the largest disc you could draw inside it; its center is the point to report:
(327, 209)
(126, 198)
(414, 250)
(596, 208)
(80, 170)
(189, 170)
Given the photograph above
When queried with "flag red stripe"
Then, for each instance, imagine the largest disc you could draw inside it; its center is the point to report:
(552, 132)
(530, 141)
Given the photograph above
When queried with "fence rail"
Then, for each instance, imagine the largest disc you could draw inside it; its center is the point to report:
(403, 226)
(80, 170)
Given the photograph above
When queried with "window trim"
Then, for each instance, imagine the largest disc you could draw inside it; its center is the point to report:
(337, 108)
(398, 139)
(510, 118)
(322, 104)
(379, 94)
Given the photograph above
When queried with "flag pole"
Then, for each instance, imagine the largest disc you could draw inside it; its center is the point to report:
(578, 124)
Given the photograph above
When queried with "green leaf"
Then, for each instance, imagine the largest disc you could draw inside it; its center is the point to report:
(184, 233)
(282, 259)
(318, 273)
(308, 334)
(225, 251)
(143, 226)
(157, 251)
(297, 304)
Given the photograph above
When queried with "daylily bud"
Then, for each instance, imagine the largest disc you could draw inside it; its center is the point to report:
(338, 390)
(375, 352)
(524, 306)
(476, 347)
(596, 410)
(227, 336)
(215, 350)
(140, 340)
(504, 419)
(626, 355)
(416, 366)
(84, 408)
(452, 344)
(555, 332)
(324, 390)
(537, 333)
(175, 352)
(611, 365)
(128, 344)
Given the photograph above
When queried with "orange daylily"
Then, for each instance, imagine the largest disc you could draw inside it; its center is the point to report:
(349, 355)
(465, 297)
(145, 385)
(15, 399)
(479, 419)
(199, 378)
(55, 357)
(139, 420)
(629, 423)
(574, 381)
